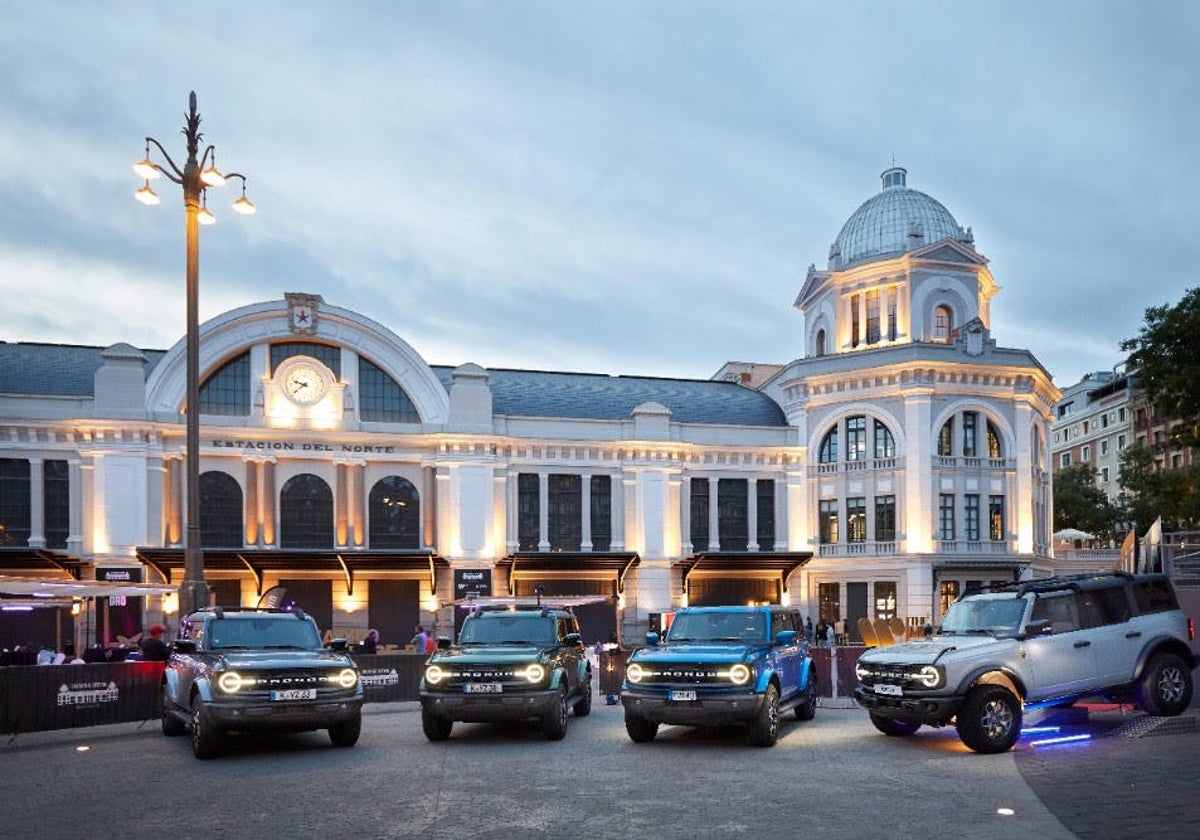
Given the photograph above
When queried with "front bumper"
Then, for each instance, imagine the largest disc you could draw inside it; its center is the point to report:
(291, 715)
(933, 710)
(706, 710)
(484, 708)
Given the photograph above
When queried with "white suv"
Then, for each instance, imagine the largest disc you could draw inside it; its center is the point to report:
(1030, 645)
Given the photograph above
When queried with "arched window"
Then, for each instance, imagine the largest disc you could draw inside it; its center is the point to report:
(993, 441)
(856, 438)
(943, 324)
(819, 349)
(227, 390)
(380, 398)
(945, 442)
(395, 514)
(828, 451)
(221, 514)
(306, 513)
(885, 445)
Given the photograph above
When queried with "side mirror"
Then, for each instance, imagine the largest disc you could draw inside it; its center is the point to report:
(573, 640)
(785, 637)
(183, 646)
(1041, 627)
(652, 638)
(340, 645)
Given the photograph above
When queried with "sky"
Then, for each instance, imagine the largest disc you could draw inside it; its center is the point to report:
(612, 187)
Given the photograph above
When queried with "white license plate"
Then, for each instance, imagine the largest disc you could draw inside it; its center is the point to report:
(295, 694)
(681, 695)
(483, 688)
(888, 688)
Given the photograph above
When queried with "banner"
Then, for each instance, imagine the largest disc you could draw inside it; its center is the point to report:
(1152, 548)
(1127, 559)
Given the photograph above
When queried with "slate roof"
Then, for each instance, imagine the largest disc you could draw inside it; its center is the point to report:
(69, 370)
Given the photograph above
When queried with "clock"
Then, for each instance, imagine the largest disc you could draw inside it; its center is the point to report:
(304, 383)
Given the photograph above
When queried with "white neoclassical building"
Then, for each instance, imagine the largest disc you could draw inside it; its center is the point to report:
(902, 458)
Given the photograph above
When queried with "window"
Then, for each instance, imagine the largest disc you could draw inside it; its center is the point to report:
(855, 306)
(227, 391)
(872, 317)
(946, 515)
(1103, 448)
(221, 514)
(993, 442)
(828, 453)
(326, 354)
(827, 521)
(885, 518)
(733, 523)
(1104, 420)
(564, 515)
(885, 599)
(306, 513)
(891, 310)
(766, 515)
(1086, 453)
(885, 446)
(57, 494)
(528, 511)
(1121, 442)
(943, 324)
(1121, 414)
(601, 513)
(969, 421)
(829, 603)
(380, 398)
(945, 444)
(856, 438)
(971, 513)
(1064, 460)
(856, 519)
(820, 345)
(947, 594)
(394, 514)
(996, 527)
(15, 507)
(700, 532)
(1104, 475)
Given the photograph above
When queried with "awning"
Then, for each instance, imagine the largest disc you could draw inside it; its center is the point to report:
(40, 560)
(55, 588)
(259, 561)
(742, 562)
(603, 564)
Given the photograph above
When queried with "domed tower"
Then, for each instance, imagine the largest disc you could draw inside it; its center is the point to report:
(901, 270)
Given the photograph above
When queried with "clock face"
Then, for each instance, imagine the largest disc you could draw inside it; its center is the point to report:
(304, 384)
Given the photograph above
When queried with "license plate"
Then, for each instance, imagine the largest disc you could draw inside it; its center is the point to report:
(295, 694)
(483, 688)
(681, 695)
(888, 688)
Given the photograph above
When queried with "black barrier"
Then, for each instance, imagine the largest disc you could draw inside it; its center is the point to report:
(66, 696)
(387, 678)
(612, 670)
(845, 658)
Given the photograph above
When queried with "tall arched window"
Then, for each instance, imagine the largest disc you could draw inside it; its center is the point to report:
(945, 442)
(394, 510)
(227, 390)
(306, 513)
(943, 324)
(819, 348)
(827, 454)
(885, 445)
(994, 450)
(221, 514)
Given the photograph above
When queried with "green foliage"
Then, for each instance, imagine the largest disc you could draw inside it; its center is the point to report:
(1166, 357)
(1152, 492)
(1079, 503)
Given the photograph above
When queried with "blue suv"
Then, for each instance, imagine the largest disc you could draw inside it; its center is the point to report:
(720, 665)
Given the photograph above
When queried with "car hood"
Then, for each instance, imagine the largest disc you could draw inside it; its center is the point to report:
(926, 651)
(266, 659)
(695, 652)
(491, 654)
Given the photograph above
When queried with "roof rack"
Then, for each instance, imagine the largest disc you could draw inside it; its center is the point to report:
(1051, 584)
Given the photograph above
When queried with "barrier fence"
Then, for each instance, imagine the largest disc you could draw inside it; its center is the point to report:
(40, 697)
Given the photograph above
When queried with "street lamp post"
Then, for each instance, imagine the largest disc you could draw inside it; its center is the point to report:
(195, 178)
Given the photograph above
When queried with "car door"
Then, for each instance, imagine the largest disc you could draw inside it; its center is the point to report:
(1115, 640)
(569, 654)
(786, 657)
(1062, 661)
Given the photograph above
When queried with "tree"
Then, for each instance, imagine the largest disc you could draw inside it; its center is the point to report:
(1152, 492)
(1079, 503)
(1166, 357)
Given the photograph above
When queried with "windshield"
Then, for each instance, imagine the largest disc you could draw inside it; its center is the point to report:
(994, 616)
(262, 634)
(718, 626)
(501, 629)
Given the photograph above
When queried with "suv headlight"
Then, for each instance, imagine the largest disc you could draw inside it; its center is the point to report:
(535, 672)
(434, 675)
(635, 673)
(928, 676)
(346, 678)
(739, 674)
(231, 681)
(861, 671)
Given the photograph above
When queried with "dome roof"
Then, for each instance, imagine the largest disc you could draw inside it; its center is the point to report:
(892, 222)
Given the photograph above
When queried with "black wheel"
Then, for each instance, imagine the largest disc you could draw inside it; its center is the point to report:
(554, 722)
(345, 734)
(1165, 688)
(806, 709)
(206, 740)
(437, 728)
(583, 706)
(764, 728)
(641, 731)
(990, 719)
(892, 726)
(172, 725)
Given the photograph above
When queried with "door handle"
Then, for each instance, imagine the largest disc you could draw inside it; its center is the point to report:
(1082, 644)
(1133, 634)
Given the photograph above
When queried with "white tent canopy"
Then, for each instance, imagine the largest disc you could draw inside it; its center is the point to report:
(1073, 534)
(59, 588)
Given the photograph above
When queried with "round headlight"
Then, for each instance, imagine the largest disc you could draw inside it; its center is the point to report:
(535, 673)
(634, 673)
(347, 678)
(229, 681)
(434, 675)
(739, 674)
(860, 671)
(928, 676)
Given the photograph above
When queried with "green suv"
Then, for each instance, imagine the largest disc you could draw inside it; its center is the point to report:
(509, 664)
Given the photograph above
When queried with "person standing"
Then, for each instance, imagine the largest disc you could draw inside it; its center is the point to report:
(418, 641)
(430, 643)
(371, 642)
(153, 648)
(808, 630)
(830, 633)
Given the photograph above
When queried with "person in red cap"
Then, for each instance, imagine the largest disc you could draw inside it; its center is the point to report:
(154, 649)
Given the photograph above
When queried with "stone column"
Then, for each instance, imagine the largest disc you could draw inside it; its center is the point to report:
(714, 521)
(752, 514)
(266, 496)
(685, 516)
(75, 506)
(252, 532)
(543, 511)
(37, 503)
(585, 504)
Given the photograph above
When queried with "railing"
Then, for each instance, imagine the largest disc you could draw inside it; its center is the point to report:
(856, 549)
(973, 547)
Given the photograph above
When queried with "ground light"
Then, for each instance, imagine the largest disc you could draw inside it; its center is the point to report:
(1065, 739)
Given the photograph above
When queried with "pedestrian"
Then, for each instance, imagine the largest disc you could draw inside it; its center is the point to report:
(430, 643)
(830, 633)
(419, 640)
(153, 648)
(370, 644)
(820, 637)
(808, 630)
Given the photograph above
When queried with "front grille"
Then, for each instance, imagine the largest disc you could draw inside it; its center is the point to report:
(889, 674)
(283, 680)
(683, 673)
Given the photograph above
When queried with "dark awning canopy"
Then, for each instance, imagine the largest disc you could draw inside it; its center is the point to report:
(606, 564)
(258, 561)
(731, 563)
(40, 561)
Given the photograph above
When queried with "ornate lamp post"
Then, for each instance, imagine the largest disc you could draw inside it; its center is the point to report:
(195, 178)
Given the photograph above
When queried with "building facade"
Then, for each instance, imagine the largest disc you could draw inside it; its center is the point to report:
(902, 458)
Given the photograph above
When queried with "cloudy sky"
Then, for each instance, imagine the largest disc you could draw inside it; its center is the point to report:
(614, 186)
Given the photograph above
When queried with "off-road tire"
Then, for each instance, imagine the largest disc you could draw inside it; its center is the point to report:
(554, 722)
(641, 731)
(1165, 687)
(345, 733)
(894, 727)
(764, 727)
(989, 720)
(583, 706)
(806, 709)
(172, 725)
(436, 727)
(206, 739)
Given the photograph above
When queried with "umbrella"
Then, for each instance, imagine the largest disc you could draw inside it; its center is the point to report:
(1073, 534)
